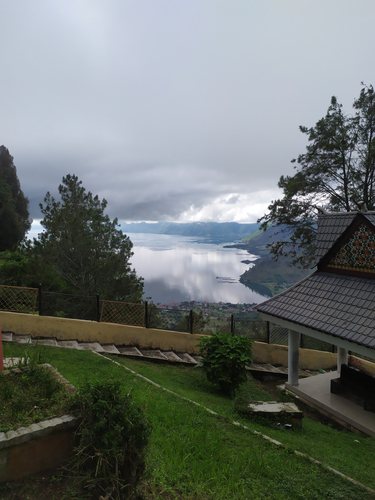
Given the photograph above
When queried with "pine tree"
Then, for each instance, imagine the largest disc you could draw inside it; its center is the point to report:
(14, 206)
(85, 247)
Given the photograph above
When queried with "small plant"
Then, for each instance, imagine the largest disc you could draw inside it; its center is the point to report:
(224, 360)
(113, 436)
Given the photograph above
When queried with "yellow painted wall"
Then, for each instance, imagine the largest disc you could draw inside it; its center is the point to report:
(91, 331)
(149, 338)
(309, 359)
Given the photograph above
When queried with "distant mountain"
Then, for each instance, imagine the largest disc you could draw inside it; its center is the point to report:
(217, 231)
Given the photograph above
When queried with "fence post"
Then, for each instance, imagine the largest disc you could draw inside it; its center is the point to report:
(146, 315)
(40, 299)
(232, 324)
(268, 332)
(191, 321)
(97, 308)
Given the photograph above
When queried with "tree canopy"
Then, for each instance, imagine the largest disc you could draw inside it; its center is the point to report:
(85, 247)
(14, 206)
(336, 173)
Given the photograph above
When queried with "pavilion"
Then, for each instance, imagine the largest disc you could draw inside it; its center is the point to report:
(335, 303)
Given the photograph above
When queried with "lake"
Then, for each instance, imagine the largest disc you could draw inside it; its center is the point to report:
(181, 268)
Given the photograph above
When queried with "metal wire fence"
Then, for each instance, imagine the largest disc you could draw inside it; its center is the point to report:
(188, 321)
(64, 305)
(25, 300)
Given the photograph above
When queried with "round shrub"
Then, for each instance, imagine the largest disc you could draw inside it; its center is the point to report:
(224, 360)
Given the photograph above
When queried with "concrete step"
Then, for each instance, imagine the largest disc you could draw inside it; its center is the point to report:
(51, 342)
(187, 358)
(130, 351)
(172, 356)
(265, 367)
(68, 344)
(21, 339)
(110, 349)
(7, 337)
(90, 346)
(153, 353)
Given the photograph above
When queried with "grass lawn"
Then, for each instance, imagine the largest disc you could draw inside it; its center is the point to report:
(196, 455)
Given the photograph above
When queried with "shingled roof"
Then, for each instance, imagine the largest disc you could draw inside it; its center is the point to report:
(339, 298)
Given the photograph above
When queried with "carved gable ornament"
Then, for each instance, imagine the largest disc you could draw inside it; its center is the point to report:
(354, 251)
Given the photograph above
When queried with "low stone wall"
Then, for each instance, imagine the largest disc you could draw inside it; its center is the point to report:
(165, 340)
(38, 447)
(104, 333)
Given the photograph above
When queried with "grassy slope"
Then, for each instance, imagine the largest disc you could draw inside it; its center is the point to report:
(194, 454)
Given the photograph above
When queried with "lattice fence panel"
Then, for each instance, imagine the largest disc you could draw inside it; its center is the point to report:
(278, 335)
(123, 313)
(212, 323)
(170, 319)
(311, 343)
(17, 299)
(253, 329)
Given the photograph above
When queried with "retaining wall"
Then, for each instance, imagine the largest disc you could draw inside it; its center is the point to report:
(165, 340)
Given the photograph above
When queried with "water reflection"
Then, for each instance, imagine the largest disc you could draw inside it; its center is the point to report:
(178, 268)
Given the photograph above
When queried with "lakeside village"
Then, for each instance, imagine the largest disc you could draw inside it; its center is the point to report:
(215, 308)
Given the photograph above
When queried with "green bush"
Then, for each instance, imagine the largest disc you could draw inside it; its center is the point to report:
(224, 360)
(113, 436)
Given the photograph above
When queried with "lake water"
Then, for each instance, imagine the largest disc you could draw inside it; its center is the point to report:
(180, 268)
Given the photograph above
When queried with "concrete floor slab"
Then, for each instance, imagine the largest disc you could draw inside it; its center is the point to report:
(316, 391)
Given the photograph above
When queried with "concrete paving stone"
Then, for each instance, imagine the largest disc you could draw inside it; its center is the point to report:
(10, 434)
(23, 430)
(110, 348)
(172, 356)
(91, 346)
(67, 418)
(130, 351)
(36, 427)
(153, 353)
(7, 337)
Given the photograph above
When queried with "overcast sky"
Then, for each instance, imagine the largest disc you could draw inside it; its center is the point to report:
(174, 109)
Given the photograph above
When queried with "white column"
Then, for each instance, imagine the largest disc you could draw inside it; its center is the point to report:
(342, 358)
(293, 356)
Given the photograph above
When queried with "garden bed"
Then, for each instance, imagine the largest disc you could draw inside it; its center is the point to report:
(37, 433)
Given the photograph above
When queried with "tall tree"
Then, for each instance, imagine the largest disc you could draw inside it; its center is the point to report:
(14, 206)
(336, 173)
(85, 247)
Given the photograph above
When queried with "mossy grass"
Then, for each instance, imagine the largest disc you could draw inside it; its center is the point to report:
(30, 395)
(196, 455)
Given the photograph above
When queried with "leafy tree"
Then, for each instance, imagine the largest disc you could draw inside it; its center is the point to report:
(85, 247)
(14, 206)
(336, 173)
(25, 269)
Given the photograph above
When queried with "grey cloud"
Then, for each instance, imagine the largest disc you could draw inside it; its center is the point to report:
(163, 106)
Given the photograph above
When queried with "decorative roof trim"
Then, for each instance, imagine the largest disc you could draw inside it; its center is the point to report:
(323, 264)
